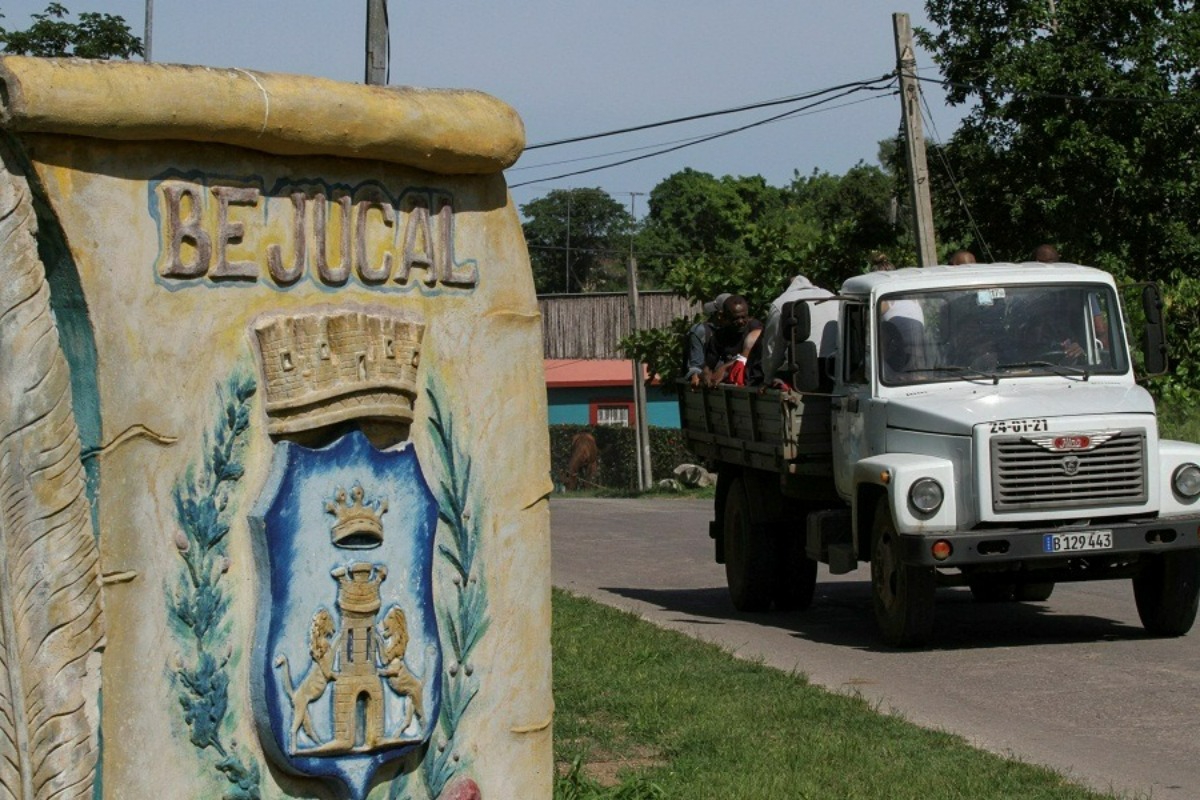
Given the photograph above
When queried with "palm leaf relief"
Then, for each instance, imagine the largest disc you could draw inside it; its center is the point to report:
(51, 626)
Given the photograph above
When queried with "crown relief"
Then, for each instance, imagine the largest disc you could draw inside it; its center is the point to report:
(359, 524)
(323, 367)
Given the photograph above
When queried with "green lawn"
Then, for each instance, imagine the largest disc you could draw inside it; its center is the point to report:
(646, 713)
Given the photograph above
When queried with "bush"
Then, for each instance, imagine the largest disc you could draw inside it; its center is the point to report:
(618, 454)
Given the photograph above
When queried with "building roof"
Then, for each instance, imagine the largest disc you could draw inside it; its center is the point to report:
(566, 373)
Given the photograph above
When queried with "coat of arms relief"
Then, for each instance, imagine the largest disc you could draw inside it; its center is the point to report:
(347, 654)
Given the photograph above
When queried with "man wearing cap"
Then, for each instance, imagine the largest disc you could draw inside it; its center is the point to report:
(698, 339)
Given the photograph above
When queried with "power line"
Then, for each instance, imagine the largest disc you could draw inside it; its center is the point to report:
(688, 139)
(1083, 98)
(962, 201)
(704, 115)
(731, 131)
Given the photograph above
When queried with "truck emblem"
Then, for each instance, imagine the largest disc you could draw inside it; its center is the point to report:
(1070, 465)
(1073, 442)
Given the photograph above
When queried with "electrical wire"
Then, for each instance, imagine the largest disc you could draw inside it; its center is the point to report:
(962, 201)
(705, 115)
(1084, 98)
(689, 139)
(793, 112)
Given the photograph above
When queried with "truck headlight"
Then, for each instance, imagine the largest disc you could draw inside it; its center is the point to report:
(1187, 480)
(926, 494)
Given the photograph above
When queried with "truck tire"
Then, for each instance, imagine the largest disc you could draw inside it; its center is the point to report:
(902, 593)
(795, 573)
(749, 556)
(1033, 592)
(1167, 590)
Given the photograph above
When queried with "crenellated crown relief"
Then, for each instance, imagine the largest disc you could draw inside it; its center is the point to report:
(325, 367)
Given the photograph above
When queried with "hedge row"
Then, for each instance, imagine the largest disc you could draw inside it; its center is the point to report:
(618, 454)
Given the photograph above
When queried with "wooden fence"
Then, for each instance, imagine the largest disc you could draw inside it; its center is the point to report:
(590, 325)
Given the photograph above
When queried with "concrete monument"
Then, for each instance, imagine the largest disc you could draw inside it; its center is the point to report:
(270, 344)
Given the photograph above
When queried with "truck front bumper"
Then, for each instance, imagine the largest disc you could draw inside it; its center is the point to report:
(998, 546)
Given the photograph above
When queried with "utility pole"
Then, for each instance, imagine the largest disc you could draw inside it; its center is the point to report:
(377, 42)
(567, 259)
(149, 31)
(645, 473)
(914, 140)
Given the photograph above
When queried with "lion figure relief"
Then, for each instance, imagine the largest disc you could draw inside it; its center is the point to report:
(401, 681)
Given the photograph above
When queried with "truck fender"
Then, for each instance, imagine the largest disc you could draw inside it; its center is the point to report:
(1171, 456)
(894, 474)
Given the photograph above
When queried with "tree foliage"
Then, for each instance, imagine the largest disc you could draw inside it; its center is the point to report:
(1082, 134)
(706, 235)
(578, 241)
(93, 36)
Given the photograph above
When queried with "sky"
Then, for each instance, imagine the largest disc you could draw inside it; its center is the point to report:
(579, 67)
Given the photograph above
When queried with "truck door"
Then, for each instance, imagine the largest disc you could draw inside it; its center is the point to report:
(852, 390)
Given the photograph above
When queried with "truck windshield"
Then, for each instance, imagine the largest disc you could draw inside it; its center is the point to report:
(993, 332)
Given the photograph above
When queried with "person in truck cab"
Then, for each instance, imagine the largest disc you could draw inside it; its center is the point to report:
(1042, 329)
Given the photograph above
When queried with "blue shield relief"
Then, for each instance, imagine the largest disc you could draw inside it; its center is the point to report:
(346, 656)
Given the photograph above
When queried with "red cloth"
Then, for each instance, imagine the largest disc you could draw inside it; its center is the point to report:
(737, 372)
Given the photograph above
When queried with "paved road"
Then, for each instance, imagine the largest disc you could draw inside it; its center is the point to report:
(1073, 683)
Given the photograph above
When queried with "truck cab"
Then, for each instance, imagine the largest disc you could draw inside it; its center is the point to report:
(984, 429)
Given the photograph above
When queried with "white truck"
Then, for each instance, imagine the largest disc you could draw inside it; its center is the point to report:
(977, 426)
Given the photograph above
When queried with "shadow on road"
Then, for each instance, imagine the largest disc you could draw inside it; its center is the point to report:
(841, 615)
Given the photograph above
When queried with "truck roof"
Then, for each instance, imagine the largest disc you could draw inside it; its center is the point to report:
(917, 278)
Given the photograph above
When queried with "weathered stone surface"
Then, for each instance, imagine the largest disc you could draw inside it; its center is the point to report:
(164, 242)
(446, 131)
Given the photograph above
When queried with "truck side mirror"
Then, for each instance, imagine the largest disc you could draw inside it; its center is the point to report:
(1154, 340)
(806, 376)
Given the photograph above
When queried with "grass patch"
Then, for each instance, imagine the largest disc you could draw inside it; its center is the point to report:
(644, 713)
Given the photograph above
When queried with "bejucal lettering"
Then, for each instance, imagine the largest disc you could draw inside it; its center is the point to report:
(236, 233)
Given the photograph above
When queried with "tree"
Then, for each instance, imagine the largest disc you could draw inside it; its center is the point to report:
(1082, 134)
(94, 36)
(741, 235)
(852, 216)
(696, 215)
(578, 241)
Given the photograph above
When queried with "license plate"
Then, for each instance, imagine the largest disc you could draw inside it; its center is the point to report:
(1020, 426)
(1081, 542)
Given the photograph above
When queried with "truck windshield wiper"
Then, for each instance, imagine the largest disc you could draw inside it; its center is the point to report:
(966, 373)
(1064, 370)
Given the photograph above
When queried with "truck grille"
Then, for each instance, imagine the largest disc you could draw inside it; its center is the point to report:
(1027, 475)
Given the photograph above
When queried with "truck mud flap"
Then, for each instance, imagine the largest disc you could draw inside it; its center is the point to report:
(830, 540)
(714, 533)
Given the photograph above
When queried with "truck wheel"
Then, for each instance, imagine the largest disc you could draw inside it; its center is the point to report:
(749, 565)
(795, 575)
(902, 593)
(1166, 591)
(1033, 592)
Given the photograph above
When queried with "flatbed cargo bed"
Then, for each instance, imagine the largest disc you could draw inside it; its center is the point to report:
(767, 429)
